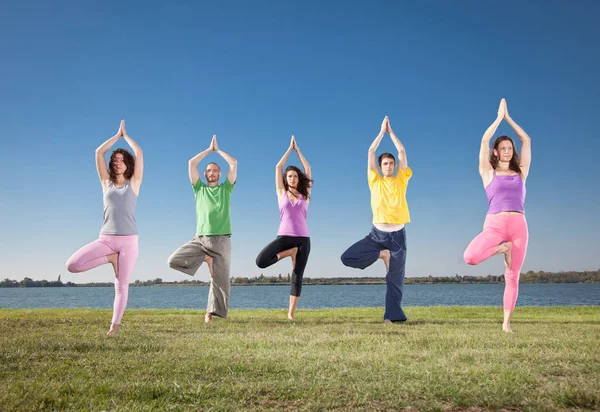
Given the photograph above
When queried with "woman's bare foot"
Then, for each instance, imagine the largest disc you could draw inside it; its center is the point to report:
(114, 328)
(209, 262)
(506, 324)
(385, 256)
(290, 252)
(506, 248)
(114, 261)
(208, 317)
(292, 308)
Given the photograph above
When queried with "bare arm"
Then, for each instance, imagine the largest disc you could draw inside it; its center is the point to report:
(232, 172)
(279, 186)
(485, 168)
(138, 172)
(525, 144)
(101, 161)
(375, 145)
(194, 161)
(402, 160)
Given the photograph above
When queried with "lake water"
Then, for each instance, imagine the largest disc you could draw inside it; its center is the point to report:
(313, 296)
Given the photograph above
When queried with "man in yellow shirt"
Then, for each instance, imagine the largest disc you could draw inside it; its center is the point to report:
(387, 239)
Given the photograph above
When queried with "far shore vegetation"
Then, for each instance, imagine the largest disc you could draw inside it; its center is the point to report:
(284, 279)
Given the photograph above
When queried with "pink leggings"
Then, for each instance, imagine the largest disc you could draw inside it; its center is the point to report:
(96, 254)
(497, 229)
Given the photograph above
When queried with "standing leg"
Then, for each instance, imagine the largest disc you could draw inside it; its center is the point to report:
(128, 253)
(519, 236)
(298, 274)
(219, 248)
(395, 277)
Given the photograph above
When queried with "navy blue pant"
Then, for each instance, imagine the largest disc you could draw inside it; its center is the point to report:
(365, 252)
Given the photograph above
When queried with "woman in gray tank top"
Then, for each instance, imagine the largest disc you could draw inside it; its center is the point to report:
(118, 241)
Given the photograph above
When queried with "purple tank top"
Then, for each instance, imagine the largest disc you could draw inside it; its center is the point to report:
(292, 217)
(506, 194)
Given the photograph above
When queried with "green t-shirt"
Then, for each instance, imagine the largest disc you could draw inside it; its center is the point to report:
(212, 208)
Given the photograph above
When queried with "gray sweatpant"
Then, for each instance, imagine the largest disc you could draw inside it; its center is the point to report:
(189, 257)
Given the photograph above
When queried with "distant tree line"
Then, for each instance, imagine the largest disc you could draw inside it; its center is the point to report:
(529, 277)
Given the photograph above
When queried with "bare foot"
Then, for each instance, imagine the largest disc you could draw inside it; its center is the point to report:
(290, 252)
(208, 317)
(209, 262)
(507, 329)
(387, 321)
(507, 250)
(114, 328)
(290, 317)
(385, 256)
(114, 261)
(294, 252)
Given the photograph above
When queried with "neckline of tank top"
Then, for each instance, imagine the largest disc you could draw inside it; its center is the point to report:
(120, 187)
(516, 174)
(292, 202)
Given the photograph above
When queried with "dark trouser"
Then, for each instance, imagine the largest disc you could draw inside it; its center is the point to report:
(365, 252)
(268, 257)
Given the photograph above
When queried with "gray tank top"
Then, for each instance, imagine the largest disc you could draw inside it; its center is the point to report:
(119, 210)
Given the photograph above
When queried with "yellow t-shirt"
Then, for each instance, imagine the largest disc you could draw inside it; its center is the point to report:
(388, 197)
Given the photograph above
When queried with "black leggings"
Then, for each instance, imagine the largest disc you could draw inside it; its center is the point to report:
(268, 257)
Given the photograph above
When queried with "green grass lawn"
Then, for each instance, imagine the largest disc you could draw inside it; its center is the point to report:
(443, 358)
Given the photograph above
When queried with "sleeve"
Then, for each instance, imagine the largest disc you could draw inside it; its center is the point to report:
(403, 176)
(372, 176)
(228, 185)
(199, 185)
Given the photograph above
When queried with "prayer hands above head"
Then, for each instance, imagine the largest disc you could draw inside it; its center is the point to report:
(293, 144)
(502, 110)
(213, 144)
(385, 125)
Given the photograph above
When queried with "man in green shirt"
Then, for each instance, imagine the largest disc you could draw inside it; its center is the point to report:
(212, 243)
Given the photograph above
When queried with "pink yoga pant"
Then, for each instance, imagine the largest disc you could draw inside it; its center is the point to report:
(497, 229)
(96, 254)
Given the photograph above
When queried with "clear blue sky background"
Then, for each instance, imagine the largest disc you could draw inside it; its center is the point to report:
(256, 72)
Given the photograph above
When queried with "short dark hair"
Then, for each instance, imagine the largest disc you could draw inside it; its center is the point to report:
(386, 156)
(213, 163)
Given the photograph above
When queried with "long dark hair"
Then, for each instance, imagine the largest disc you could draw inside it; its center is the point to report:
(304, 183)
(129, 161)
(514, 161)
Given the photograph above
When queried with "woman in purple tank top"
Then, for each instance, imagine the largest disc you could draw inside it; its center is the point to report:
(505, 229)
(118, 241)
(293, 193)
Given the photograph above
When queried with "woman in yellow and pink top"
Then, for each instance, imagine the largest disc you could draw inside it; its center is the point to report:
(505, 228)
(387, 239)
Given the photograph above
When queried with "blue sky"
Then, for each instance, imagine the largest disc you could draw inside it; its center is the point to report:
(256, 72)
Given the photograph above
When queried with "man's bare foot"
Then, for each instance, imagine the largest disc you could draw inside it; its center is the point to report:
(114, 261)
(387, 321)
(114, 328)
(506, 248)
(385, 256)
(209, 262)
(507, 329)
(208, 317)
(290, 317)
